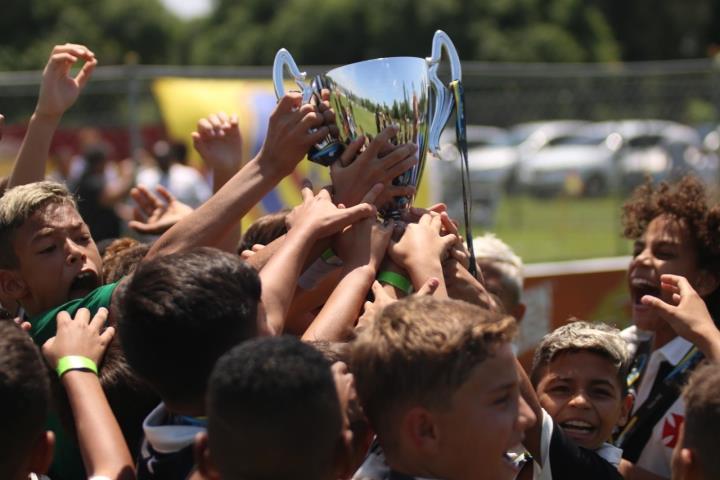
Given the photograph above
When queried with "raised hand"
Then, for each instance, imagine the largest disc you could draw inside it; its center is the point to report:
(461, 285)
(382, 299)
(154, 215)
(364, 243)
(320, 217)
(218, 141)
(294, 127)
(59, 90)
(353, 174)
(689, 316)
(372, 309)
(80, 336)
(422, 242)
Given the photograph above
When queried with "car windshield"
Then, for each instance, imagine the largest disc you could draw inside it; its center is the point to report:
(577, 140)
(492, 141)
(519, 135)
(645, 141)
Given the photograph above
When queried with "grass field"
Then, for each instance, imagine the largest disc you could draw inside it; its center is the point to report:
(543, 230)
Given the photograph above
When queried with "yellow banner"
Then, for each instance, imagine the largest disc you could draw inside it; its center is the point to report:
(183, 101)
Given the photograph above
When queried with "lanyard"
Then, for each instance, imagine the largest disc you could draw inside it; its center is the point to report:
(634, 436)
(461, 134)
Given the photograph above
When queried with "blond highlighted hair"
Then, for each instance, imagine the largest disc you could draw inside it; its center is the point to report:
(577, 336)
(18, 204)
(490, 249)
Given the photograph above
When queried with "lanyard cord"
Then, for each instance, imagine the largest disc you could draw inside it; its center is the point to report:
(461, 133)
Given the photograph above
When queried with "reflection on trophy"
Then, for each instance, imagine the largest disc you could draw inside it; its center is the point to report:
(372, 95)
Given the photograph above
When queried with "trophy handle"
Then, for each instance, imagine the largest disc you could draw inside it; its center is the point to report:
(283, 59)
(443, 96)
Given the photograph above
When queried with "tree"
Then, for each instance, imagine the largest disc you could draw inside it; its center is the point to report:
(110, 28)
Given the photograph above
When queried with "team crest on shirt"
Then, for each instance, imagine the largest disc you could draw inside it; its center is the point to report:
(671, 429)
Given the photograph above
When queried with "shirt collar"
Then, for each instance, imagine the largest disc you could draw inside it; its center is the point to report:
(674, 350)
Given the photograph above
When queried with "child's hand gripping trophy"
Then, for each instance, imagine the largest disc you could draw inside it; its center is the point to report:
(294, 128)
(421, 250)
(357, 171)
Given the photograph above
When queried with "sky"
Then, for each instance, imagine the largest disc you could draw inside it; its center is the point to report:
(188, 8)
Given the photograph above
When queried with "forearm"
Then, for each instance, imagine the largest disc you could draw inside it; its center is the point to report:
(420, 272)
(305, 301)
(101, 441)
(30, 163)
(262, 257)
(208, 225)
(280, 275)
(534, 433)
(230, 242)
(337, 318)
(709, 344)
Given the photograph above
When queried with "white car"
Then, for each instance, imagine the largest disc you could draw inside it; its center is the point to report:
(494, 156)
(608, 156)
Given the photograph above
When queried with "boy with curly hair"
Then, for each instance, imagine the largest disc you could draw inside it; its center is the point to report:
(676, 231)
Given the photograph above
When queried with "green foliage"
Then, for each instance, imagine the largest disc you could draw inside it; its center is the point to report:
(112, 29)
(343, 31)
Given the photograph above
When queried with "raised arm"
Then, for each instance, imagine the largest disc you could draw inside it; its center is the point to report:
(362, 248)
(316, 218)
(689, 316)
(58, 92)
(102, 444)
(288, 140)
(356, 172)
(219, 143)
(421, 250)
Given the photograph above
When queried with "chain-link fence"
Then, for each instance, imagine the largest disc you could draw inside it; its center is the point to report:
(119, 99)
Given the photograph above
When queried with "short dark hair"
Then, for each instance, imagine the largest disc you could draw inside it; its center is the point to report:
(121, 257)
(264, 230)
(179, 313)
(24, 397)
(702, 417)
(273, 411)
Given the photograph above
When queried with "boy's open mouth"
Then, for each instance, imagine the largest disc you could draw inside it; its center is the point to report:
(516, 457)
(578, 426)
(579, 430)
(84, 283)
(640, 287)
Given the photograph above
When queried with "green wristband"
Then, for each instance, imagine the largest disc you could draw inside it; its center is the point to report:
(329, 257)
(75, 362)
(396, 280)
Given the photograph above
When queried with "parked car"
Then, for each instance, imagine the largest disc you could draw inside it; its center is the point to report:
(493, 158)
(606, 156)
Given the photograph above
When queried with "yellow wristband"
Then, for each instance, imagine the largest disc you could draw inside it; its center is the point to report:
(396, 280)
(75, 362)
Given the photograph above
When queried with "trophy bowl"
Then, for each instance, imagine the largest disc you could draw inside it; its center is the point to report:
(371, 95)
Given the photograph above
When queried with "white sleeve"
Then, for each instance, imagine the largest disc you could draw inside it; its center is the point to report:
(544, 472)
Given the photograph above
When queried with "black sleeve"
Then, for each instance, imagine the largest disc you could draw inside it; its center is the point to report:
(571, 462)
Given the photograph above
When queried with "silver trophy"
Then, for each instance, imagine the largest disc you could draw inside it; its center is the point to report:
(371, 95)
